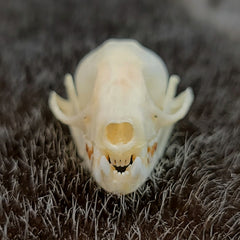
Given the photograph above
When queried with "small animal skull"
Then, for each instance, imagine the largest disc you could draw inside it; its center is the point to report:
(121, 111)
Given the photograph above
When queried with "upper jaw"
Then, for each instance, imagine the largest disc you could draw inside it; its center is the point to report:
(118, 180)
(121, 164)
(123, 172)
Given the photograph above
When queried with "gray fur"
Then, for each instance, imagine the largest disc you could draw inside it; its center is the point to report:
(193, 193)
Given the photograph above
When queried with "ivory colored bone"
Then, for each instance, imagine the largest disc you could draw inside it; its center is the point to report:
(121, 111)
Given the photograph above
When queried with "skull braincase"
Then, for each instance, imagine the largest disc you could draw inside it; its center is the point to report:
(122, 104)
(122, 52)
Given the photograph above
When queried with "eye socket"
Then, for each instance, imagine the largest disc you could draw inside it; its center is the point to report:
(118, 133)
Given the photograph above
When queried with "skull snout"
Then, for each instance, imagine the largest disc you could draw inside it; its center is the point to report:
(119, 133)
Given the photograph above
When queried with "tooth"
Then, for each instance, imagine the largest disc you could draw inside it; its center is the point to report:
(105, 165)
(119, 173)
(115, 171)
(137, 166)
(97, 175)
(127, 172)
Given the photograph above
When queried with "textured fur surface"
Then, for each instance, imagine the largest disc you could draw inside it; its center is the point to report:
(194, 192)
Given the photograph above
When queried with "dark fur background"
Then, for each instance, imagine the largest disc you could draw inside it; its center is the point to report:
(194, 193)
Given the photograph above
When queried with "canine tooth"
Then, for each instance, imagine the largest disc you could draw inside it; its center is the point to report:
(115, 171)
(105, 165)
(136, 167)
(126, 172)
(98, 175)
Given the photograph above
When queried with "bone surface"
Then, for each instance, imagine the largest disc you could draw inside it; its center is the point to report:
(121, 110)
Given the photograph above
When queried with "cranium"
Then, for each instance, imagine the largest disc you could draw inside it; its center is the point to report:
(121, 111)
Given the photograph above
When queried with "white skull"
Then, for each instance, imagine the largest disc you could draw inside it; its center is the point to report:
(121, 113)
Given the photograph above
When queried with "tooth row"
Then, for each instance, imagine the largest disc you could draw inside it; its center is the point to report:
(136, 167)
(119, 173)
(120, 163)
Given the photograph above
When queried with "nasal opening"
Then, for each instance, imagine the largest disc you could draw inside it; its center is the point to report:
(119, 133)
